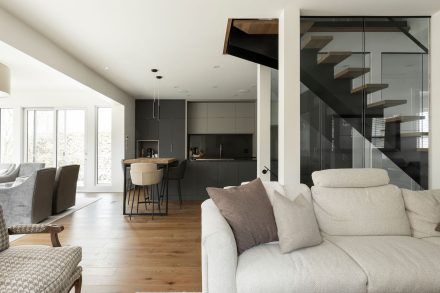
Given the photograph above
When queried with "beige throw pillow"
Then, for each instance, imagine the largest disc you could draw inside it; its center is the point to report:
(248, 211)
(296, 223)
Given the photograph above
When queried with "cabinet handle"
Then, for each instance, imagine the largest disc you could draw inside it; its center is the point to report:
(158, 111)
(171, 147)
(154, 109)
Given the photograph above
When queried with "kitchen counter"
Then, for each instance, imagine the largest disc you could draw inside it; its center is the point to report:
(224, 159)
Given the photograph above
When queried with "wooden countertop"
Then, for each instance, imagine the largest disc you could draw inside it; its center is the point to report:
(159, 161)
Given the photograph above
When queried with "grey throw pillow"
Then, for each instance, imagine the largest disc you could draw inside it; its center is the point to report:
(248, 211)
(296, 222)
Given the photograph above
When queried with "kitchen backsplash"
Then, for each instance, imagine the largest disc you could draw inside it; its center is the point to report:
(232, 145)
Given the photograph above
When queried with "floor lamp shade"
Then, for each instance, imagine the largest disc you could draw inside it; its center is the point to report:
(5, 81)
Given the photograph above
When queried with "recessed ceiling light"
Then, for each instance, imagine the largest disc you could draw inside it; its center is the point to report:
(216, 66)
(106, 68)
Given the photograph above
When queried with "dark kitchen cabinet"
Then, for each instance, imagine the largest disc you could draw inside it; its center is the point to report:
(146, 127)
(167, 126)
(228, 174)
(172, 138)
(172, 109)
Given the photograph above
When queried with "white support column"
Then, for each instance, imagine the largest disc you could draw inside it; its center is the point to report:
(263, 121)
(289, 97)
(434, 139)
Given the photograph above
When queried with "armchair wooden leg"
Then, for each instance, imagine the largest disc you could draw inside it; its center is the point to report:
(78, 285)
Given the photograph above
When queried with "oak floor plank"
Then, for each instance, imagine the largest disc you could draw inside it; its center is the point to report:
(140, 255)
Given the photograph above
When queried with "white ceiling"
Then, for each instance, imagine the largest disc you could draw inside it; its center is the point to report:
(123, 39)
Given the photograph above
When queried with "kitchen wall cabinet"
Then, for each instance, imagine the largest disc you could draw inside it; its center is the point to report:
(168, 127)
(221, 118)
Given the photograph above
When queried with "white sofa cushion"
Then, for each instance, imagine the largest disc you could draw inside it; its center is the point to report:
(423, 209)
(433, 240)
(324, 268)
(296, 223)
(364, 177)
(290, 191)
(361, 211)
(397, 264)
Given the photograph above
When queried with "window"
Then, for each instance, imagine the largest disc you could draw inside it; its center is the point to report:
(104, 146)
(71, 140)
(41, 137)
(56, 138)
(6, 135)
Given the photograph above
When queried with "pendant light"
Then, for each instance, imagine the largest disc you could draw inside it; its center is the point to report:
(158, 78)
(5, 81)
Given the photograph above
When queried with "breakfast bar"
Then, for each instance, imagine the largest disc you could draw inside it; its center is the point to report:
(165, 163)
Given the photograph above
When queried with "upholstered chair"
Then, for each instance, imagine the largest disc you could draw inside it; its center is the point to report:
(29, 201)
(64, 194)
(23, 170)
(38, 268)
(145, 176)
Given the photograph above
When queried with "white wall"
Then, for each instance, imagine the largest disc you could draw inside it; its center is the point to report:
(434, 152)
(86, 100)
(26, 39)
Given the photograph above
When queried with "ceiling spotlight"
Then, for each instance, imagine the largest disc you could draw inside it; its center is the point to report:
(159, 76)
(154, 70)
(106, 68)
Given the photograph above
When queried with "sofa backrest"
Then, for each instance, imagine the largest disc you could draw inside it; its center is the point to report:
(358, 202)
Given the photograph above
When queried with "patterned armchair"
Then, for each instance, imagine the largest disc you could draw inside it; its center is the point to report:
(36, 268)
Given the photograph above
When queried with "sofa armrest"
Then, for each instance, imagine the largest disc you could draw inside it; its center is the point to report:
(219, 251)
(39, 228)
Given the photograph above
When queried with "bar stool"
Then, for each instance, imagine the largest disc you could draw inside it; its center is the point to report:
(177, 174)
(145, 176)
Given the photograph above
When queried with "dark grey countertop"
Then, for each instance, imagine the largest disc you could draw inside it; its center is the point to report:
(224, 160)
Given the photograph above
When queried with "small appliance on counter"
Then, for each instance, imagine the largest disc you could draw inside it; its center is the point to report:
(147, 148)
(195, 153)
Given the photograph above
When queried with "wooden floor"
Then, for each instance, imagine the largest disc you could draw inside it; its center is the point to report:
(120, 255)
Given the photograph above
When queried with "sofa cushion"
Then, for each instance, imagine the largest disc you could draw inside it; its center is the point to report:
(423, 209)
(364, 177)
(361, 211)
(398, 264)
(433, 240)
(248, 211)
(324, 268)
(296, 223)
(291, 191)
(38, 268)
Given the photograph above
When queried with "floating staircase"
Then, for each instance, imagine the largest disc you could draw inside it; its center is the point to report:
(257, 41)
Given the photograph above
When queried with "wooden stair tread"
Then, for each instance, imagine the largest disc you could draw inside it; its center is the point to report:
(386, 104)
(343, 29)
(414, 134)
(403, 119)
(333, 57)
(351, 72)
(305, 26)
(315, 42)
(369, 88)
(257, 26)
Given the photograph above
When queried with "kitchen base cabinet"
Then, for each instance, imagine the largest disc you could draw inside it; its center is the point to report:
(202, 174)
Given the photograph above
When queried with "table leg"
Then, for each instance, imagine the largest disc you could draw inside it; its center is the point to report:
(168, 180)
(125, 190)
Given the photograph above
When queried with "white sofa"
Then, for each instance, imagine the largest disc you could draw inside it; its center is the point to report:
(367, 247)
